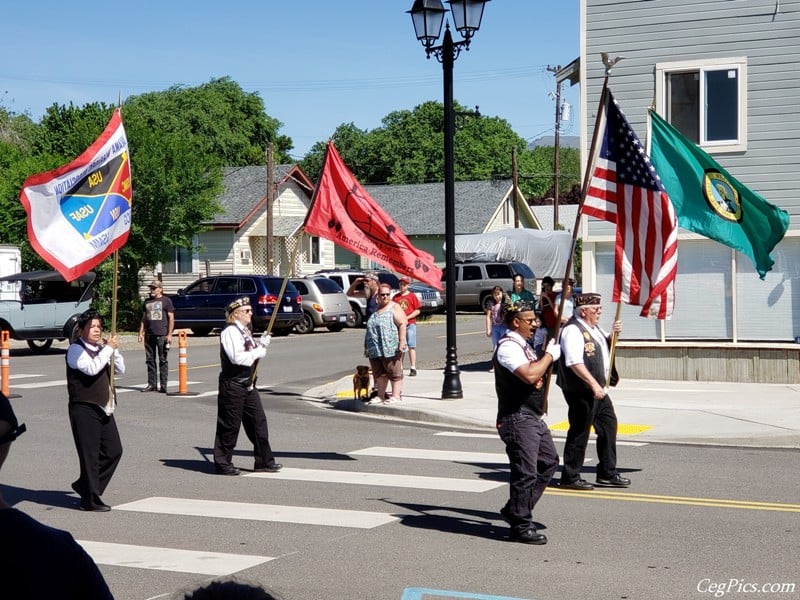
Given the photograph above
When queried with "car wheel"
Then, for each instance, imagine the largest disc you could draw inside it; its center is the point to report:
(39, 345)
(336, 327)
(306, 324)
(358, 319)
(201, 331)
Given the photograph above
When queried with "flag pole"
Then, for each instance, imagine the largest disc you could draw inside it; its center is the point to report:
(587, 177)
(613, 351)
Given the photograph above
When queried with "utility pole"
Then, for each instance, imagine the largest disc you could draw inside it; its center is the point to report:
(270, 226)
(514, 185)
(556, 173)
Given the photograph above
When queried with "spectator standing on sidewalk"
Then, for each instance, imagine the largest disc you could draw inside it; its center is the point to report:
(569, 301)
(409, 302)
(384, 345)
(366, 286)
(584, 371)
(548, 306)
(155, 329)
(37, 561)
(532, 455)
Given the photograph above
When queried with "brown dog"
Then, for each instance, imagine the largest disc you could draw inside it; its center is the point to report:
(361, 387)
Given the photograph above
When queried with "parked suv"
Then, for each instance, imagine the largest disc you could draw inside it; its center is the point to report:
(47, 307)
(201, 306)
(324, 304)
(475, 280)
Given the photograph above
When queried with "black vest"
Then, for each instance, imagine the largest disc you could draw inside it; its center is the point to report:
(592, 360)
(239, 374)
(513, 394)
(90, 389)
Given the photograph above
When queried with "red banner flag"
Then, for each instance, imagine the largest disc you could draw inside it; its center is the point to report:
(343, 212)
(626, 190)
(81, 212)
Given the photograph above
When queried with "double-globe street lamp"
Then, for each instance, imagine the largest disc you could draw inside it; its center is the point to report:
(428, 16)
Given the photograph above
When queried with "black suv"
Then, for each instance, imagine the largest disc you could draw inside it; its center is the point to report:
(201, 306)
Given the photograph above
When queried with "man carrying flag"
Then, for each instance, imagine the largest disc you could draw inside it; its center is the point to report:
(81, 212)
(343, 212)
(711, 202)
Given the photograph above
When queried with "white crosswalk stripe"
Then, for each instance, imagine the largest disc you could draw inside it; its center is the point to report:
(382, 479)
(487, 436)
(425, 454)
(331, 517)
(170, 559)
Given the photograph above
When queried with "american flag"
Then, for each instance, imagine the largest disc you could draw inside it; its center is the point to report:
(625, 189)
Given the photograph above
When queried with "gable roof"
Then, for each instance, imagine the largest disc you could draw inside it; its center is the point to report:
(566, 215)
(245, 192)
(419, 208)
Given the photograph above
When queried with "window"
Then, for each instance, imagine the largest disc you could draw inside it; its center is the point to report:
(313, 250)
(706, 101)
(498, 271)
(472, 273)
(178, 260)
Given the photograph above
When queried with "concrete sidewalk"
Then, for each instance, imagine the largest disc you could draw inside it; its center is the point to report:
(731, 414)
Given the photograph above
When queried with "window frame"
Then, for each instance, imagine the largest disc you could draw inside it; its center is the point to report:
(663, 69)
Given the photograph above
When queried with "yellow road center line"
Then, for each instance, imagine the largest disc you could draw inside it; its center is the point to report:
(599, 494)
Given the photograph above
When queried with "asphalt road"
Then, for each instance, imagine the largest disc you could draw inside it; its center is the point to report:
(377, 509)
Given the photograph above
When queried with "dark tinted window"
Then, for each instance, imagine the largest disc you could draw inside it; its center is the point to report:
(301, 287)
(227, 285)
(523, 270)
(389, 278)
(247, 286)
(273, 285)
(498, 271)
(204, 286)
(326, 286)
(338, 280)
(471, 273)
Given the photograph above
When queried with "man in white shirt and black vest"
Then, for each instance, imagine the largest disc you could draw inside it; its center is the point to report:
(238, 400)
(584, 373)
(519, 384)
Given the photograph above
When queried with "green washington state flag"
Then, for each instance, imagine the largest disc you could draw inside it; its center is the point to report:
(709, 201)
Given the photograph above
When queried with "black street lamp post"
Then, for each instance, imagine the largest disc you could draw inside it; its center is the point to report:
(428, 16)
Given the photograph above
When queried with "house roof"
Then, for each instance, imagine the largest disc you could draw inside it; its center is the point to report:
(419, 208)
(566, 215)
(245, 192)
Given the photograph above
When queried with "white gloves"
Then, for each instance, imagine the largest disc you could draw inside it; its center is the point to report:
(265, 339)
(553, 349)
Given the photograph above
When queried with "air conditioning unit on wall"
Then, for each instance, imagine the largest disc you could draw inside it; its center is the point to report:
(245, 257)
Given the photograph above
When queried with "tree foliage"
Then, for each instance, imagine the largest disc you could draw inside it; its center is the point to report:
(408, 147)
(179, 141)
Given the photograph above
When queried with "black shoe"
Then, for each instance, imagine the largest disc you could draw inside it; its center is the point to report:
(529, 536)
(75, 485)
(578, 484)
(506, 515)
(226, 471)
(162, 390)
(615, 481)
(273, 468)
(95, 507)
(149, 388)
(412, 372)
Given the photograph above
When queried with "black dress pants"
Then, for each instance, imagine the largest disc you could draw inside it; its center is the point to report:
(155, 357)
(99, 450)
(583, 413)
(236, 407)
(533, 459)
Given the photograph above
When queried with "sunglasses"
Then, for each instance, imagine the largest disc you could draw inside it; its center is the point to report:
(246, 310)
(13, 434)
(528, 321)
(382, 295)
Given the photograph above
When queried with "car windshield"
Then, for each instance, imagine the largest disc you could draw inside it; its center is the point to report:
(390, 279)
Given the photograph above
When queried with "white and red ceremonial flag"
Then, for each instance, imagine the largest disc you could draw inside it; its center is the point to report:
(343, 212)
(81, 212)
(625, 189)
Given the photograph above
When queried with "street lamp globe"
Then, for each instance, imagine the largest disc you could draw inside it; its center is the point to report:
(467, 15)
(427, 16)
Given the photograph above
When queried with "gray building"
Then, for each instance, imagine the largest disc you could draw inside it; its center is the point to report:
(727, 74)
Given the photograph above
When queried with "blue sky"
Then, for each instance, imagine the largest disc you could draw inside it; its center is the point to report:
(315, 63)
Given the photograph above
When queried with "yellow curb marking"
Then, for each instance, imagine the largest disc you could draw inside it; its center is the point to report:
(623, 428)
